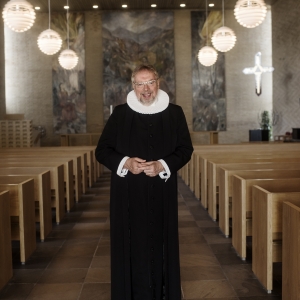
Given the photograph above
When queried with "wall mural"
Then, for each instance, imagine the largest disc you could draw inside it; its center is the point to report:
(209, 104)
(69, 100)
(132, 38)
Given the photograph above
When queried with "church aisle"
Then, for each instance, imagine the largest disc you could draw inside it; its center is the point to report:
(74, 264)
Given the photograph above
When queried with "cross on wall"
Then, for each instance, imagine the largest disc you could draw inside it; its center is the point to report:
(258, 70)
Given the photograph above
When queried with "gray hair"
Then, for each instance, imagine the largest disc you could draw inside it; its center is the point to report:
(144, 68)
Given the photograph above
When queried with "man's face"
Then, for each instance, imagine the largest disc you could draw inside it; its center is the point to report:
(146, 93)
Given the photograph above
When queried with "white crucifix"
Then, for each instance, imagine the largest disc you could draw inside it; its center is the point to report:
(258, 70)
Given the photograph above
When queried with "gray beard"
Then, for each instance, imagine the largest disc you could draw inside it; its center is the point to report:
(147, 103)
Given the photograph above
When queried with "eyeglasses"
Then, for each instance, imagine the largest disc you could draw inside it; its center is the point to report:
(142, 84)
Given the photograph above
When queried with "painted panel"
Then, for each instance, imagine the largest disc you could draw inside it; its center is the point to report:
(69, 86)
(132, 38)
(208, 83)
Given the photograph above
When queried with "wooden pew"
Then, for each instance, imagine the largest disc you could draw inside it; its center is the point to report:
(70, 186)
(226, 171)
(92, 164)
(208, 150)
(86, 154)
(42, 194)
(213, 175)
(212, 162)
(57, 182)
(22, 212)
(242, 207)
(6, 270)
(290, 252)
(267, 226)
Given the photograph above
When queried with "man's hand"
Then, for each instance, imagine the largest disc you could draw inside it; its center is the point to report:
(152, 168)
(133, 164)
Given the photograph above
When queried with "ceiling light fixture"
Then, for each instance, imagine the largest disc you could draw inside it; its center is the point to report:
(18, 15)
(66, 7)
(207, 55)
(49, 41)
(211, 5)
(182, 5)
(95, 6)
(250, 13)
(153, 5)
(223, 39)
(124, 5)
(68, 58)
(37, 8)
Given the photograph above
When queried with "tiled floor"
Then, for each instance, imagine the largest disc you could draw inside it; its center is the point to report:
(73, 262)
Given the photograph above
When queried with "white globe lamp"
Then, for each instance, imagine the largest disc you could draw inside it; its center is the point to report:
(207, 56)
(223, 39)
(49, 42)
(18, 15)
(68, 59)
(250, 13)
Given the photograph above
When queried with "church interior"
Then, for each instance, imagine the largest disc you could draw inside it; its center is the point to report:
(238, 196)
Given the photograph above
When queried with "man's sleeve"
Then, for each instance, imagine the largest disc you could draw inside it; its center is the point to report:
(166, 173)
(121, 171)
(184, 147)
(106, 153)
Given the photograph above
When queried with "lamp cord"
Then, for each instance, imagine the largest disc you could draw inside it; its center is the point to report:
(206, 24)
(223, 12)
(49, 13)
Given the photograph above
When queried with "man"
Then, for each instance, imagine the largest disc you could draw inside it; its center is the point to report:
(144, 143)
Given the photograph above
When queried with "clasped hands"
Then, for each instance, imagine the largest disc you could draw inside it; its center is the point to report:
(137, 165)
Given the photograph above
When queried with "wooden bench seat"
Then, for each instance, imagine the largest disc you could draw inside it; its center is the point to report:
(242, 207)
(207, 152)
(291, 251)
(57, 182)
(22, 213)
(42, 194)
(72, 171)
(86, 154)
(6, 269)
(267, 226)
(226, 171)
(213, 176)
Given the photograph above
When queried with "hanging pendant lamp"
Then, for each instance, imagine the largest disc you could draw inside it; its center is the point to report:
(18, 15)
(250, 13)
(68, 58)
(49, 41)
(207, 55)
(223, 39)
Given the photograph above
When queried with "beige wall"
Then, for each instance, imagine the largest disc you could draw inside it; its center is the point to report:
(286, 60)
(29, 82)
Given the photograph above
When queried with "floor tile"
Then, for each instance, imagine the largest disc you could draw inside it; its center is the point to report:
(95, 291)
(98, 275)
(201, 273)
(63, 276)
(207, 289)
(67, 291)
(66, 262)
(16, 291)
(26, 276)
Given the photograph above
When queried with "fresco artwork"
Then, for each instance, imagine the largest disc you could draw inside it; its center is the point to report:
(69, 97)
(132, 38)
(209, 103)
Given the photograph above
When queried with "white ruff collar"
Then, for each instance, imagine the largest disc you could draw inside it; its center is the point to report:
(160, 104)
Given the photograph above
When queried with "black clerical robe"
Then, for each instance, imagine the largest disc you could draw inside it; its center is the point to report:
(143, 209)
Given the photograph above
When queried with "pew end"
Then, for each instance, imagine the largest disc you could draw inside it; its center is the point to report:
(291, 251)
(267, 206)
